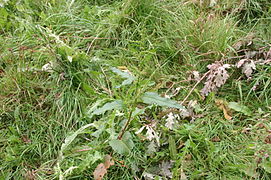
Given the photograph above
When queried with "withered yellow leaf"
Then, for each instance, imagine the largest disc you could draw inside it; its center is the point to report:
(223, 106)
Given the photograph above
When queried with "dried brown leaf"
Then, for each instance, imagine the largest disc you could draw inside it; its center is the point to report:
(267, 140)
(251, 54)
(108, 161)
(268, 54)
(217, 77)
(165, 167)
(241, 63)
(196, 75)
(222, 105)
(2, 72)
(99, 172)
(25, 139)
(148, 176)
(215, 139)
(101, 169)
(246, 41)
(30, 175)
(248, 68)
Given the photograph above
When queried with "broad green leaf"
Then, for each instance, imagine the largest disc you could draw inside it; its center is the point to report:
(99, 131)
(240, 108)
(123, 146)
(154, 98)
(128, 140)
(128, 77)
(115, 105)
(95, 106)
(119, 146)
(137, 112)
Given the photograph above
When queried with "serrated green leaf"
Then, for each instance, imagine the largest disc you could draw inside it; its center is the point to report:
(240, 108)
(154, 98)
(115, 105)
(119, 146)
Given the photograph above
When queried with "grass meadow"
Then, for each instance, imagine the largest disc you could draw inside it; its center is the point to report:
(142, 89)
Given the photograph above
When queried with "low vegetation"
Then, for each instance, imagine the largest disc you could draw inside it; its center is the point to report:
(135, 89)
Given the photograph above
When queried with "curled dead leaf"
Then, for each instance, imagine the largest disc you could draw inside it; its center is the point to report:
(101, 169)
(223, 106)
(99, 172)
(25, 139)
(108, 161)
(216, 77)
(30, 175)
(196, 75)
(215, 139)
(123, 68)
(2, 72)
(181, 145)
(268, 139)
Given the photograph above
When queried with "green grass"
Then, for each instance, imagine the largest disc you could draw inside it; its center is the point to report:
(60, 124)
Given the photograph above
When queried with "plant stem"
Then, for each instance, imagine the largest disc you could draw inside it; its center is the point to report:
(126, 125)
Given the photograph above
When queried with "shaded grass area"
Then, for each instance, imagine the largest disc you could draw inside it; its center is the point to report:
(160, 43)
